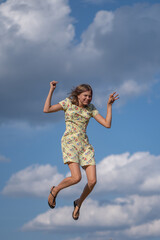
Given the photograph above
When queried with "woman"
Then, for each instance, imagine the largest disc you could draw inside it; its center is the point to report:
(75, 144)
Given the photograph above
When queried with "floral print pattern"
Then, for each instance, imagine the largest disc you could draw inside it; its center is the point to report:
(75, 143)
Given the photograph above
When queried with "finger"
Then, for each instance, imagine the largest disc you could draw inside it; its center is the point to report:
(112, 94)
(55, 82)
(116, 95)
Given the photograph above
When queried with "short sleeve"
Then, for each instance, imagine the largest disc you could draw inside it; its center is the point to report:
(93, 110)
(65, 103)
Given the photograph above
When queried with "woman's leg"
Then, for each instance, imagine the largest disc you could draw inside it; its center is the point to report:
(68, 181)
(91, 177)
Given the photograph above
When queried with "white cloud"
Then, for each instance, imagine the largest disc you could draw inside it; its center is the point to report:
(34, 42)
(151, 184)
(130, 177)
(125, 173)
(39, 22)
(150, 229)
(102, 25)
(119, 50)
(120, 216)
(112, 173)
(130, 89)
(4, 159)
(35, 180)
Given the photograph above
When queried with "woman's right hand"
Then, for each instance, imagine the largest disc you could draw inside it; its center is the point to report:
(53, 85)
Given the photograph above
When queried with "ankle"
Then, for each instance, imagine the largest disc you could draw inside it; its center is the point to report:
(78, 202)
(55, 191)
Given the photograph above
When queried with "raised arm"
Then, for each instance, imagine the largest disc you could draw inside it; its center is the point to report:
(106, 122)
(47, 106)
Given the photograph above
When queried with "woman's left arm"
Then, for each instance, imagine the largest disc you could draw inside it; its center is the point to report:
(106, 122)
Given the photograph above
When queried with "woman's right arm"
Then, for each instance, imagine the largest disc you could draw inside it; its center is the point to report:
(47, 106)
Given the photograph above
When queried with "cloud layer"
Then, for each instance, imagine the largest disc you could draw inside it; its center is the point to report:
(120, 49)
(131, 213)
(121, 174)
(27, 181)
(125, 218)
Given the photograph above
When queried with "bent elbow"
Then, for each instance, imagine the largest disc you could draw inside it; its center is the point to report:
(108, 124)
(45, 111)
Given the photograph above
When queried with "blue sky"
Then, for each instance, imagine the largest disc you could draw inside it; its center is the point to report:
(114, 46)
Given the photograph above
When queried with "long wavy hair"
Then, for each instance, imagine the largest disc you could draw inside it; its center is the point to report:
(77, 91)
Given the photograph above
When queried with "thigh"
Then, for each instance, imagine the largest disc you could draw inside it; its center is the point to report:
(90, 173)
(74, 169)
(87, 156)
(69, 151)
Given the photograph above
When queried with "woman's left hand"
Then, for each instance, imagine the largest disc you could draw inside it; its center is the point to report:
(113, 98)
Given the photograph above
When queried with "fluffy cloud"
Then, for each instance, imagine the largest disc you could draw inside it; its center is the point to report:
(125, 217)
(112, 172)
(133, 214)
(150, 229)
(34, 40)
(93, 216)
(27, 181)
(125, 173)
(119, 48)
(31, 20)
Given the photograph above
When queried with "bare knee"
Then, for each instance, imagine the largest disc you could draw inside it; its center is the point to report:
(76, 179)
(92, 183)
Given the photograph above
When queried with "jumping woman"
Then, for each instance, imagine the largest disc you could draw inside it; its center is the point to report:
(76, 149)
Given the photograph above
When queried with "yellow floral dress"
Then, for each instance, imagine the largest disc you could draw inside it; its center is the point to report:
(75, 143)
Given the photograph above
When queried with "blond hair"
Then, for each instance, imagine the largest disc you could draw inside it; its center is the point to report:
(77, 91)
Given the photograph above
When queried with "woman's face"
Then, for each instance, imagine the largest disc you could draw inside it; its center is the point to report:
(84, 98)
